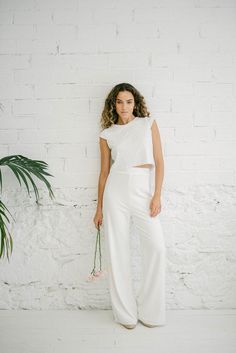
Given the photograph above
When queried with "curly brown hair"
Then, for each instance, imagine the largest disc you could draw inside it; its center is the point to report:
(109, 114)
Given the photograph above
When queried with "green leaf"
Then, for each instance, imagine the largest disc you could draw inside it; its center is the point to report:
(23, 168)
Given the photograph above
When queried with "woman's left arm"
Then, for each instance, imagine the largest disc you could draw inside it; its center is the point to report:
(155, 205)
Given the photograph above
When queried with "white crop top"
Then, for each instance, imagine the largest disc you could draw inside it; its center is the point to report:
(131, 144)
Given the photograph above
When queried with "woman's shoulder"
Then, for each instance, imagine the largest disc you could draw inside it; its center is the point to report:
(105, 132)
(148, 120)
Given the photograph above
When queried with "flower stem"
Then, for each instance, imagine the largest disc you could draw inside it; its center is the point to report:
(98, 242)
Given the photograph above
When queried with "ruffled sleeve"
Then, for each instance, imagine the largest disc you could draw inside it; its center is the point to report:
(103, 134)
(151, 119)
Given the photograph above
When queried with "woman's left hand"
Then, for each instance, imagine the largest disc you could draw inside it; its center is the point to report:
(155, 205)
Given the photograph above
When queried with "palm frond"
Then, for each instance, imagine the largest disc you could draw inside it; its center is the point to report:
(6, 238)
(23, 167)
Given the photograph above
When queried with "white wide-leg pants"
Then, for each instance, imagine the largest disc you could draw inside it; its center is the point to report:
(127, 194)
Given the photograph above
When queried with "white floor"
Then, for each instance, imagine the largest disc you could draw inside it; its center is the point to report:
(95, 331)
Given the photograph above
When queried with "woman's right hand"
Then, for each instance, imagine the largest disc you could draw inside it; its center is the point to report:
(98, 218)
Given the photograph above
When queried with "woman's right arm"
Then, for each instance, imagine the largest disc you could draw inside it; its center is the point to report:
(105, 169)
(104, 172)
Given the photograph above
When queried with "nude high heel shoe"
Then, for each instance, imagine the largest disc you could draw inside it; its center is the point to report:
(148, 325)
(128, 326)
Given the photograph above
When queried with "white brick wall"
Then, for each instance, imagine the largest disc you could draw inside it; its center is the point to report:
(58, 61)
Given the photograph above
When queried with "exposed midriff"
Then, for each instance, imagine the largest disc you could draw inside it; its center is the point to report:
(144, 166)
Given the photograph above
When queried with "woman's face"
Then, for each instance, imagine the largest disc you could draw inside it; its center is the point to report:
(125, 104)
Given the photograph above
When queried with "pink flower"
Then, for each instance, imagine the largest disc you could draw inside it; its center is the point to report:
(96, 274)
(100, 273)
(91, 278)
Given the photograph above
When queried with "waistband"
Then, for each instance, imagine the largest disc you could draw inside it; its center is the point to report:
(132, 170)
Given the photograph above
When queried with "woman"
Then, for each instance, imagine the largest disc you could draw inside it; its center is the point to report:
(125, 191)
